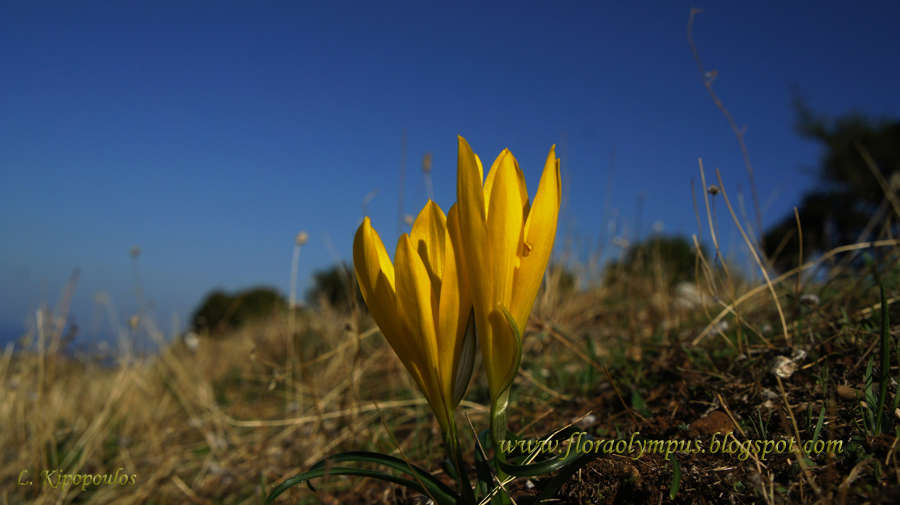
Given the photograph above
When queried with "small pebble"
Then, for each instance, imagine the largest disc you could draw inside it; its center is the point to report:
(587, 421)
(850, 394)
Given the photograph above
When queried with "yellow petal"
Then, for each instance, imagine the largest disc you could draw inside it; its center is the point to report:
(455, 304)
(428, 237)
(370, 257)
(523, 193)
(469, 184)
(473, 227)
(504, 228)
(415, 306)
(375, 274)
(480, 166)
(540, 231)
(489, 182)
(504, 236)
(383, 306)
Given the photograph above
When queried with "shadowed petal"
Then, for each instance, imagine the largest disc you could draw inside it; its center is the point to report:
(455, 305)
(415, 307)
(370, 257)
(370, 260)
(428, 237)
(489, 183)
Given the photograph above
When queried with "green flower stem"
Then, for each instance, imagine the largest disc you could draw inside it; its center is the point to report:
(451, 443)
(501, 401)
(498, 418)
(498, 433)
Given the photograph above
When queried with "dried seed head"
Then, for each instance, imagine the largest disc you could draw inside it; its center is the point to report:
(810, 300)
(783, 367)
(133, 322)
(426, 163)
(301, 238)
(713, 189)
(192, 341)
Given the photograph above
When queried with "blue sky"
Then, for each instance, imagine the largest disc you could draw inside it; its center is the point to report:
(209, 134)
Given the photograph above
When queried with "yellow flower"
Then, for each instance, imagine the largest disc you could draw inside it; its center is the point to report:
(506, 246)
(422, 304)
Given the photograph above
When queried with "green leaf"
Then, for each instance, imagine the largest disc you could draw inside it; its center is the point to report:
(638, 404)
(869, 396)
(563, 434)
(448, 468)
(389, 461)
(554, 485)
(546, 466)
(819, 425)
(485, 482)
(501, 399)
(440, 498)
(896, 393)
(676, 478)
(517, 354)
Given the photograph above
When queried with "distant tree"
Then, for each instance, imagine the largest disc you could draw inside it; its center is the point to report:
(673, 253)
(332, 286)
(848, 199)
(221, 311)
(562, 279)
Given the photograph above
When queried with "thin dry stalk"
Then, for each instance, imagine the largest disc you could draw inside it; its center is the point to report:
(781, 245)
(708, 78)
(387, 429)
(799, 452)
(755, 291)
(565, 341)
(800, 253)
(700, 261)
(712, 230)
(627, 408)
(502, 485)
(337, 414)
(888, 192)
(762, 268)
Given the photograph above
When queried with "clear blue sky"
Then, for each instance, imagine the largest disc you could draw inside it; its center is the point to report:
(210, 133)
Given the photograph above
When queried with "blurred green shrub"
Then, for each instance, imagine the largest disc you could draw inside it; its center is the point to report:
(848, 204)
(221, 311)
(562, 279)
(332, 286)
(673, 257)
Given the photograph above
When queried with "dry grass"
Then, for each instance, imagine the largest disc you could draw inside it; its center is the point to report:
(224, 422)
(220, 424)
(207, 425)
